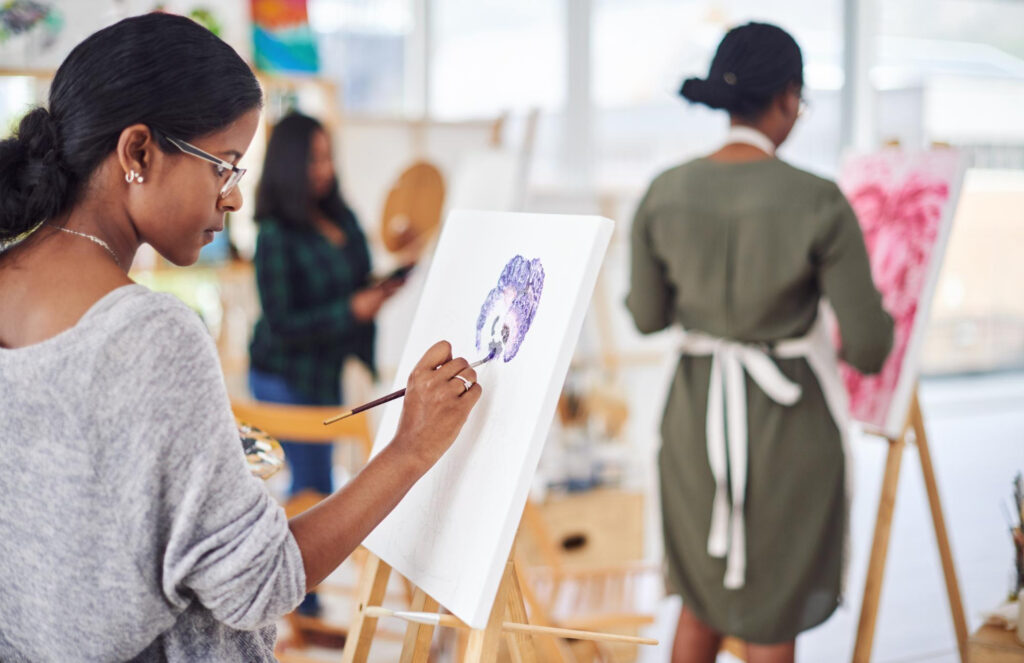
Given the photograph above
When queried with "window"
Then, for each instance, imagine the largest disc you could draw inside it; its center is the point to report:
(953, 71)
(642, 50)
(365, 44)
(491, 56)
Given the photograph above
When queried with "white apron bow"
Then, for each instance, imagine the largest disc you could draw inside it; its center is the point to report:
(726, 423)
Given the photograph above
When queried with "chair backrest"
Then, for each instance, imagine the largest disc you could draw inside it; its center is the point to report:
(304, 423)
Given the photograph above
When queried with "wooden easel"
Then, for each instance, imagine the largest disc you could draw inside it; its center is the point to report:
(508, 618)
(914, 430)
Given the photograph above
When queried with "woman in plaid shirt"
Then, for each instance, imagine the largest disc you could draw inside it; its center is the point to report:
(313, 272)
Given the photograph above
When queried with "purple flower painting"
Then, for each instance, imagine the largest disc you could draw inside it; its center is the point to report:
(508, 311)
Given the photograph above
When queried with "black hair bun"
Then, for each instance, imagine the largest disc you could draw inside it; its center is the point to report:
(711, 94)
(753, 63)
(34, 183)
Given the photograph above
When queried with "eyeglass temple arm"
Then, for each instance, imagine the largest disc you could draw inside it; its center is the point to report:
(195, 151)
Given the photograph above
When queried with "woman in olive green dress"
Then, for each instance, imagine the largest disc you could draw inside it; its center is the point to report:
(740, 248)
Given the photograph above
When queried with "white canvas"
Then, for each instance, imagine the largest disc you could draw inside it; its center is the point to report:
(452, 534)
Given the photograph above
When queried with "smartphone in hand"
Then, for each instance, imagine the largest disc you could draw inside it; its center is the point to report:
(396, 276)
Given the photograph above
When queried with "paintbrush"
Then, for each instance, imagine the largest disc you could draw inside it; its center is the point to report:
(1006, 514)
(1018, 495)
(495, 349)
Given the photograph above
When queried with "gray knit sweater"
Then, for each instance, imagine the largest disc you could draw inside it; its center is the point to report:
(130, 528)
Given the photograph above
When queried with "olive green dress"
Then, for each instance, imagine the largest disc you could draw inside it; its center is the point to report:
(745, 251)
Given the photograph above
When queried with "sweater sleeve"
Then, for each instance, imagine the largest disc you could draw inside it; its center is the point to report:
(651, 296)
(210, 530)
(276, 263)
(844, 276)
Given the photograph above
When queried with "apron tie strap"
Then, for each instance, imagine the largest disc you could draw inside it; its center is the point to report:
(726, 425)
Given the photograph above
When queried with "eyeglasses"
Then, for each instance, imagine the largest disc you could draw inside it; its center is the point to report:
(222, 165)
(804, 109)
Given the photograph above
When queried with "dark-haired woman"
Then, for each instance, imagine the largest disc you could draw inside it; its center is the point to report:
(739, 248)
(313, 273)
(130, 528)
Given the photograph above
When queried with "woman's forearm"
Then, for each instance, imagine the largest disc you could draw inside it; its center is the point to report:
(330, 531)
(433, 412)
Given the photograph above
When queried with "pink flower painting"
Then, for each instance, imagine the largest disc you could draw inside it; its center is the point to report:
(904, 202)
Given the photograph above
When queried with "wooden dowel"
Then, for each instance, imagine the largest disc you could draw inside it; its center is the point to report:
(451, 621)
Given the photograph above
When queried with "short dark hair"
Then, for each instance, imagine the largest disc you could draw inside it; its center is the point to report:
(162, 70)
(283, 191)
(753, 63)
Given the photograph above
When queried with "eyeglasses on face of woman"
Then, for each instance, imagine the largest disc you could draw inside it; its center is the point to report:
(803, 108)
(222, 165)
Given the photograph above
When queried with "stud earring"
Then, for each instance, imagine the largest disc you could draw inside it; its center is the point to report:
(132, 176)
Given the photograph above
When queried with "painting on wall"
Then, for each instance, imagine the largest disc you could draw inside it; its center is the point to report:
(29, 34)
(905, 203)
(282, 39)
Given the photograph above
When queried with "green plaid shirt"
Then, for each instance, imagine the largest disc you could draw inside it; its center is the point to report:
(306, 329)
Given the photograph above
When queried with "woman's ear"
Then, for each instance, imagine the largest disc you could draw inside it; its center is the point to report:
(136, 148)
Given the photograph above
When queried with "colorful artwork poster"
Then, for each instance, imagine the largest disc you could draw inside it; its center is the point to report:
(282, 39)
(905, 203)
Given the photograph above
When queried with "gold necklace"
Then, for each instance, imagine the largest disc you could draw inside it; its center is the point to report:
(94, 239)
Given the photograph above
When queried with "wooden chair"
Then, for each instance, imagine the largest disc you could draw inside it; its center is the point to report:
(305, 424)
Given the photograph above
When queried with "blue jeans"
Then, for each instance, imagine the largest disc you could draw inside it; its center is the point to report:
(310, 463)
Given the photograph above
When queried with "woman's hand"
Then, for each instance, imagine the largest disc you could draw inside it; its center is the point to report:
(436, 405)
(366, 303)
(435, 408)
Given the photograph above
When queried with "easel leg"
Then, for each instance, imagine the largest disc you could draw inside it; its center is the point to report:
(416, 648)
(956, 605)
(483, 643)
(879, 550)
(880, 546)
(519, 644)
(372, 587)
(552, 650)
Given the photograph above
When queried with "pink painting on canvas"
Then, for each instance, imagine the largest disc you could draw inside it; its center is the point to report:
(904, 203)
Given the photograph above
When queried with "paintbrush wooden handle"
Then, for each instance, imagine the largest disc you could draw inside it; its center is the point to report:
(384, 399)
(366, 406)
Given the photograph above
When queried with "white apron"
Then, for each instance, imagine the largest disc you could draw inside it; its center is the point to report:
(726, 424)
